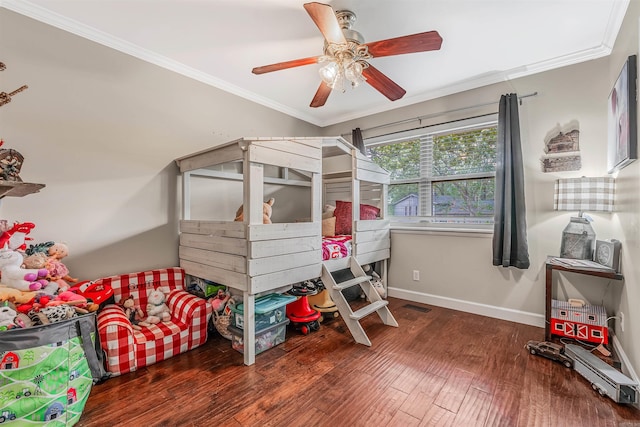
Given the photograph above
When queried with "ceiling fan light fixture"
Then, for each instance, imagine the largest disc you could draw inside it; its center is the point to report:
(341, 70)
(329, 72)
(353, 73)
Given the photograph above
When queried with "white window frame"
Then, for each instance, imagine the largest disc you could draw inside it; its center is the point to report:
(424, 133)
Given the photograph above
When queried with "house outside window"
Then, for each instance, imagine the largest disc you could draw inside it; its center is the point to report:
(442, 174)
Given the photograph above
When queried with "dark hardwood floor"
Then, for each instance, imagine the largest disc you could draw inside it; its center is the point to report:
(439, 368)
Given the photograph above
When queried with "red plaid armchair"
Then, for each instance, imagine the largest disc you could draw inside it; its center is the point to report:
(128, 349)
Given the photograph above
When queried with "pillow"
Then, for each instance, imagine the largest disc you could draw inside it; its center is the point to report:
(329, 227)
(328, 211)
(369, 212)
(343, 215)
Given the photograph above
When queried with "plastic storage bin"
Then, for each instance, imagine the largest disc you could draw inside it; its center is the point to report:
(269, 310)
(265, 339)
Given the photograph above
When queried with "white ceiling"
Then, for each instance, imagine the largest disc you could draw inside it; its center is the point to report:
(219, 41)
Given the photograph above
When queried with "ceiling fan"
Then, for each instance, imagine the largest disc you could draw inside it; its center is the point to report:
(346, 54)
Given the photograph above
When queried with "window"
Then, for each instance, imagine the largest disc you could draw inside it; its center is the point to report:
(440, 174)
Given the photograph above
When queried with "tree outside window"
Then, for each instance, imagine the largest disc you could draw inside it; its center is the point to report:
(446, 174)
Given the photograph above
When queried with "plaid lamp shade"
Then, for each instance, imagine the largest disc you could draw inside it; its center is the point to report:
(584, 194)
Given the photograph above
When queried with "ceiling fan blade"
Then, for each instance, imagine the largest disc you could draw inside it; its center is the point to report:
(421, 42)
(325, 18)
(383, 84)
(284, 65)
(321, 95)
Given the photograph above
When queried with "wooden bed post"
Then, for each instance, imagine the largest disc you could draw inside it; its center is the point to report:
(355, 199)
(186, 195)
(253, 190)
(316, 197)
(252, 199)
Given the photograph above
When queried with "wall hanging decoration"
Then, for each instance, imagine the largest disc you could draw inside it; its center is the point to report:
(622, 120)
(562, 149)
(5, 98)
(10, 164)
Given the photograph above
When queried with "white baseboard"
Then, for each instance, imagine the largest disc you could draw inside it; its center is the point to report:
(493, 311)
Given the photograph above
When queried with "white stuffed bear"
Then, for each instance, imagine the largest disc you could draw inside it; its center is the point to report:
(157, 309)
(22, 279)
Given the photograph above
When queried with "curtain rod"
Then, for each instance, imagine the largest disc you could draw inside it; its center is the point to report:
(428, 116)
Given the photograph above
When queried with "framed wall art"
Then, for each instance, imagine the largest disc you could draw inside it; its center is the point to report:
(622, 118)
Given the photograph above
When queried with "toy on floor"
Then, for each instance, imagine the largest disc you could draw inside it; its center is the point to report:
(301, 315)
(376, 280)
(322, 302)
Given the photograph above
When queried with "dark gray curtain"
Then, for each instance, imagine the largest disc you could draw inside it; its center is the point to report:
(357, 141)
(510, 247)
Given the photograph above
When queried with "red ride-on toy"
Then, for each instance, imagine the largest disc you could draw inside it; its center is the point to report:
(301, 315)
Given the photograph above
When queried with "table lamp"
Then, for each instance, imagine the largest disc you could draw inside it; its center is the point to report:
(582, 194)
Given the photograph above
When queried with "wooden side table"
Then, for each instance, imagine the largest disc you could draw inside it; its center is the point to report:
(549, 283)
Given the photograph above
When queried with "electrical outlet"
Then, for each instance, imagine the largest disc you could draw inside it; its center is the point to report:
(621, 314)
(416, 275)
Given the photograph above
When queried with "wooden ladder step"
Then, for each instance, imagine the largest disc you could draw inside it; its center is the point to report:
(368, 309)
(352, 282)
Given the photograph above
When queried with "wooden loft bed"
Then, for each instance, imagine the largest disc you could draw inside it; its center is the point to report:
(256, 258)
(348, 175)
(250, 256)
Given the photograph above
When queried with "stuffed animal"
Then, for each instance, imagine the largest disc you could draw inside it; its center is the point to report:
(376, 280)
(219, 301)
(23, 279)
(266, 212)
(15, 237)
(15, 296)
(47, 315)
(157, 309)
(133, 313)
(79, 302)
(38, 260)
(7, 317)
(23, 321)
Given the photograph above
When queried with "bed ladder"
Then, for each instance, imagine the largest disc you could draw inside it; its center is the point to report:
(352, 318)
